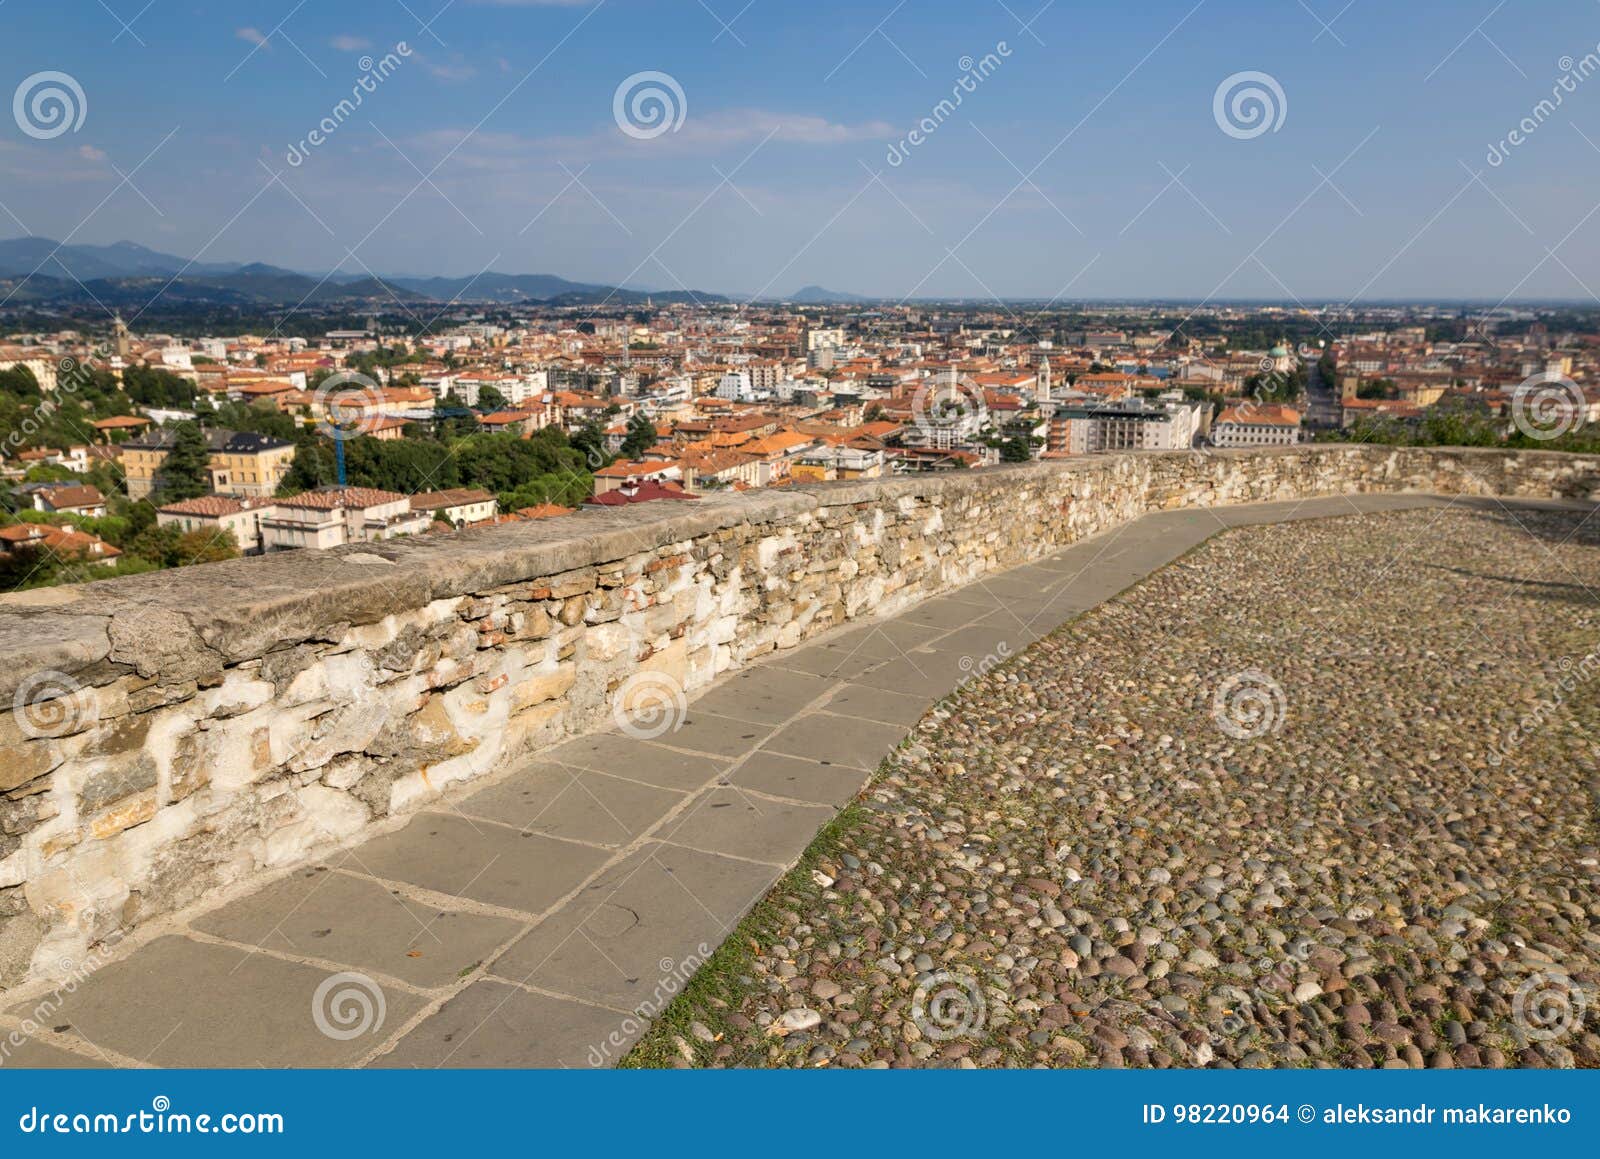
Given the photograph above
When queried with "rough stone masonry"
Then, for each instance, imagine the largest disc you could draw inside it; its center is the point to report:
(174, 733)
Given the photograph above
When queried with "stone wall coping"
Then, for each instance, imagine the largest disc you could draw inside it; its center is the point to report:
(184, 623)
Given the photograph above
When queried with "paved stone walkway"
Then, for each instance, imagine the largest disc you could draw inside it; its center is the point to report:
(522, 922)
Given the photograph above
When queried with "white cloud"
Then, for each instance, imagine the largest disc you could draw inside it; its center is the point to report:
(90, 153)
(456, 68)
(725, 131)
(251, 35)
(346, 43)
(738, 126)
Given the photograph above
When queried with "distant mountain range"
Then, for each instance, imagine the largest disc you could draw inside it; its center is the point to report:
(38, 270)
(817, 296)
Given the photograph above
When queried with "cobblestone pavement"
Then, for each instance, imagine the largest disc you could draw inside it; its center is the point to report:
(1315, 794)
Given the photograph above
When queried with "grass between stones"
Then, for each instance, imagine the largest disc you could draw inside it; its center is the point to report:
(1375, 878)
(712, 993)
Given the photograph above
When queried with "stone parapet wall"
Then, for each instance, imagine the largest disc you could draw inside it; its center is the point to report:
(175, 733)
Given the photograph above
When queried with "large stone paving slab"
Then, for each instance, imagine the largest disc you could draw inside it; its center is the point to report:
(722, 736)
(631, 931)
(731, 820)
(179, 1002)
(482, 861)
(841, 740)
(930, 675)
(764, 695)
(947, 614)
(320, 913)
(878, 704)
(578, 804)
(801, 778)
(654, 764)
(495, 1024)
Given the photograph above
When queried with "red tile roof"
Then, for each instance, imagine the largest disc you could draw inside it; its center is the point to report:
(337, 497)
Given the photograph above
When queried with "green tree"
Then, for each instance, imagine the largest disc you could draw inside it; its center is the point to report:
(490, 400)
(591, 441)
(1016, 450)
(640, 438)
(185, 473)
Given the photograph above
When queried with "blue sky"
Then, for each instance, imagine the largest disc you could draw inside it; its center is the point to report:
(1089, 163)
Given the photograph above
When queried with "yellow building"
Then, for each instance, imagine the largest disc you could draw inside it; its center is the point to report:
(244, 464)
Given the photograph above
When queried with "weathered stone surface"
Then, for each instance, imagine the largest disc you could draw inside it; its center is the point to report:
(256, 711)
(1320, 794)
(113, 780)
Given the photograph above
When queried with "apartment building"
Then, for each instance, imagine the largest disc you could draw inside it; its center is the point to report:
(220, 513)
(1130, 425)
(41, 363)
(1257, 425)
(241, 463)
(334, 516)
(460, 505)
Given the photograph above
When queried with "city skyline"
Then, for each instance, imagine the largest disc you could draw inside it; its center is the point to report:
(1091, 155)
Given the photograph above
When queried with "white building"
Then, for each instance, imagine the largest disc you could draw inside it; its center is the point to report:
(334, 516)
(214, 513)
(41, 362)
(460, 506)
(735, 387)
(1257, 425)
(1131, 425)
